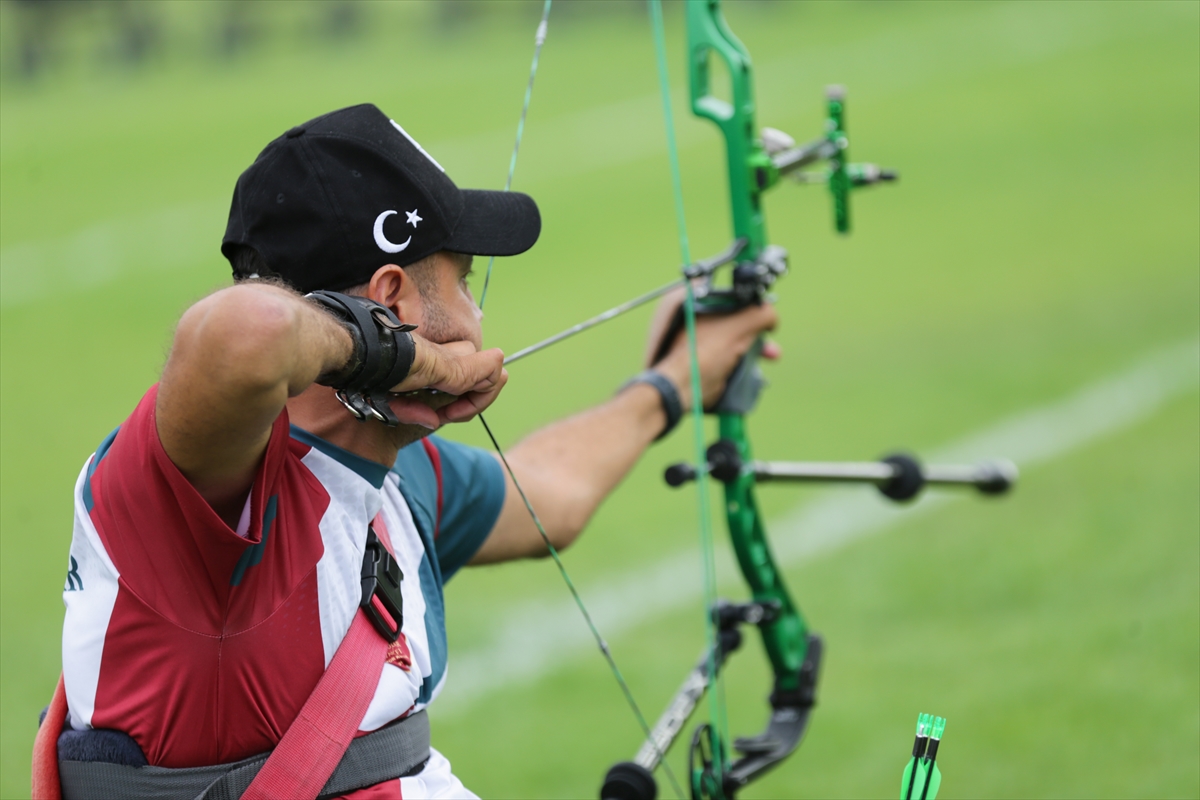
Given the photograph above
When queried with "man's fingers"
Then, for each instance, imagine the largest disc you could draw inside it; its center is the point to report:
(765, 317)
(470, 404)
(480, 372)
(454, 368)
(460, 348)
(771, 350)
(664, 313)
(412, 411)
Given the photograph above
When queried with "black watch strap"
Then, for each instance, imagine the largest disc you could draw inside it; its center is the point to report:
(667, 393)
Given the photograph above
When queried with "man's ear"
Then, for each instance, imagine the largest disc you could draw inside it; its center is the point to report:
(391, 286)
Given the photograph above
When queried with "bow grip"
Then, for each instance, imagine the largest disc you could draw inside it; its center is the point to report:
(746, 381)
(744, 385)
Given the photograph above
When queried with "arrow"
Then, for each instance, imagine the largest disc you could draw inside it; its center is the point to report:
(933, 775)
(912, 770)
(922, 778)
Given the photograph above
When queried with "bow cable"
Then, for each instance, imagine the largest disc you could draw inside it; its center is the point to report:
(538, 40)
(600, 641)
(708, 553)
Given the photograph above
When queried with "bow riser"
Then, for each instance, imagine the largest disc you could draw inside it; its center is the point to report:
(785, 637)
(750, 169)
(750, 174)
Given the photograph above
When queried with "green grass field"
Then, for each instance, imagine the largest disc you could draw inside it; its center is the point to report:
(1043, 237)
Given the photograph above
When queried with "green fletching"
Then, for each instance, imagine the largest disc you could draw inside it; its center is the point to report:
(906, 780)
(919, 772)
(935, 782)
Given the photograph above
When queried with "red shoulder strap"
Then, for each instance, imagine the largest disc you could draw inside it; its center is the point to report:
(46, 784)
(309, 751)
(317, 739)
(435, 458)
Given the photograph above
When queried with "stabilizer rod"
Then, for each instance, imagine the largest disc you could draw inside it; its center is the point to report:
(899, 477)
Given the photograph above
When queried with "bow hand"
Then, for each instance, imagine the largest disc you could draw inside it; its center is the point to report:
(723, 339)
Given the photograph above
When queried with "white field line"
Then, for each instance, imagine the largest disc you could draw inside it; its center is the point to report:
(585, 141)
(535, 638)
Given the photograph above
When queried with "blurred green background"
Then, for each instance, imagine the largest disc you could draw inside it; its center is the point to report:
(1030, 289)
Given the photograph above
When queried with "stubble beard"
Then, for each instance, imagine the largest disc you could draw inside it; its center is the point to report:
(439, 328)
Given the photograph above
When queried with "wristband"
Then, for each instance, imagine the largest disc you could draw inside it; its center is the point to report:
(383, 355)
(672, 406)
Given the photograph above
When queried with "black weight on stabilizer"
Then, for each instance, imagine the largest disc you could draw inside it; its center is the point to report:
(679, 474)
(628, 781)
(724, 461)
(908, 480)
(996, 477)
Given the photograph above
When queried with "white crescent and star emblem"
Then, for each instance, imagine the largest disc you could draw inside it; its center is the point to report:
(388, 246)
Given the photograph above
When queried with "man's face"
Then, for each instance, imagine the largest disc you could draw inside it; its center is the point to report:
(448, 311)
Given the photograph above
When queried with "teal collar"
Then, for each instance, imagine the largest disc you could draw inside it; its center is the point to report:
(369, 470)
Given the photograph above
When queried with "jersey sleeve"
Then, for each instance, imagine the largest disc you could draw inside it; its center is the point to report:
(473, 488)
(166, 542)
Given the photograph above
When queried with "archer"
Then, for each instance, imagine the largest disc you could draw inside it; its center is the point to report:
(259, 550)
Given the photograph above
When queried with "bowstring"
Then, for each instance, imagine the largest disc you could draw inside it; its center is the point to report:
(538, 40)
(716, 697)
(600, 640)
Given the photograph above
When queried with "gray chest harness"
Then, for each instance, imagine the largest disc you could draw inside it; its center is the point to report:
(395, 751)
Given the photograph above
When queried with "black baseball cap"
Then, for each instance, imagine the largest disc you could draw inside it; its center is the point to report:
(331, 201)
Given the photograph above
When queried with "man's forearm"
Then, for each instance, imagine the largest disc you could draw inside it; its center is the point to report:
(568, 468)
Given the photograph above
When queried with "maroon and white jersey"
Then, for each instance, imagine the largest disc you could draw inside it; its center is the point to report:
(203, 641)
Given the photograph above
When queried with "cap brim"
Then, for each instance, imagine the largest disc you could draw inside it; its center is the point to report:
(495, 224)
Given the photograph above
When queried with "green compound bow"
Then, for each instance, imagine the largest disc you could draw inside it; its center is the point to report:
(756, 161)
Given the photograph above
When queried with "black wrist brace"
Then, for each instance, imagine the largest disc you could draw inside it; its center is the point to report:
(669, 396)
(383, 355)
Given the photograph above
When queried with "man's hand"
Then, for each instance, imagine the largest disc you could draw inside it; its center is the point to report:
(721, 341)
(569, 467)
(465, 382)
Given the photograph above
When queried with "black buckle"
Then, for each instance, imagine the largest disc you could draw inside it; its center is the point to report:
(381, 597)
